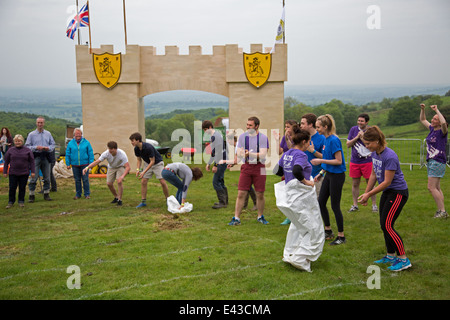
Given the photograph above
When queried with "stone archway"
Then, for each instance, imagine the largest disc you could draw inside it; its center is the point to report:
(113, 114)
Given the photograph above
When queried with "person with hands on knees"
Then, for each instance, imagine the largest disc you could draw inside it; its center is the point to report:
(153, 164)
(118, 168)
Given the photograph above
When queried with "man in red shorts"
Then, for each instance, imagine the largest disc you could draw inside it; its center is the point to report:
(360, 161)
(251, 148)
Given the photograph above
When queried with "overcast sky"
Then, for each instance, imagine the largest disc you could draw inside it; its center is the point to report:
(329, 41)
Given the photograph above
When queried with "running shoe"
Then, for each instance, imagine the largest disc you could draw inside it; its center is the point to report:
(329, 235)
(141, 205)
(353, 208)
(338, 241)
(285, 222)
(400, 264)
(386, 259)
(374, 208)
(234, 222)
(441, 214)
(262, 220)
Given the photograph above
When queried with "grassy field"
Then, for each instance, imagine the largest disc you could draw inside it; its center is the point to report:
(127, 253)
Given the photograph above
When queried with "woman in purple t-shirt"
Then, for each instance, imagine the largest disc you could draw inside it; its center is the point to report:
(386, 170)
(436, 157)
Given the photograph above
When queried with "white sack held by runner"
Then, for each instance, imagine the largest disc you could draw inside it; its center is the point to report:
(305, 237)
(173, 206)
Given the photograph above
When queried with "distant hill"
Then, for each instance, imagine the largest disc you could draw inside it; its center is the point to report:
(66, 103)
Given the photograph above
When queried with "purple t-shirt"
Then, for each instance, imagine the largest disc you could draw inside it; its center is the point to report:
(360, 154)
(253, 144)
(436, 142)
(291, 158)
(283, 144)
(388, 160)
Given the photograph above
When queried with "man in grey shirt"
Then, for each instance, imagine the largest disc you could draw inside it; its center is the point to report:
(42, 144)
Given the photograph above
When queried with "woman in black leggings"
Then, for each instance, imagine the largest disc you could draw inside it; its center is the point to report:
(386, 170)
(333, 165)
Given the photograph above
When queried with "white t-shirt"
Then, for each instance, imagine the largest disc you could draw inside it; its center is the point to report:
(116, 161)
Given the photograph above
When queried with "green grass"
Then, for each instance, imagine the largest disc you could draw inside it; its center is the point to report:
(126, 253)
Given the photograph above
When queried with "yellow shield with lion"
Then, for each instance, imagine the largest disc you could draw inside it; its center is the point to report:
(108, 68)
(257, 67)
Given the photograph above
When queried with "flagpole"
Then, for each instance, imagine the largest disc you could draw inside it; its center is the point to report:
(284, 32)
(89, 18)
(78, 24)
(125, 24)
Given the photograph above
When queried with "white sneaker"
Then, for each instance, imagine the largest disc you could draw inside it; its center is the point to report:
(353, 208)
(374, 208)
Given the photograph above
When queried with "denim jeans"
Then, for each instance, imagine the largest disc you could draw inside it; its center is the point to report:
(43, 165)
(21, 182)
(78, 176)
(218, 178)
(173, 179)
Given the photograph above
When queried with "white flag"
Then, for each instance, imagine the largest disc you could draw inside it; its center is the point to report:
(280, 32)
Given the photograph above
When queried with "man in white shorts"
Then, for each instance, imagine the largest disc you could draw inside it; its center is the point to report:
(118, 168)
(153, 164)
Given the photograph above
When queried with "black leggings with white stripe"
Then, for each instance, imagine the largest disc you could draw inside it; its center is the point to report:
(391, 204)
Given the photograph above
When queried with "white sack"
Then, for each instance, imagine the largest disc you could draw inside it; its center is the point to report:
(60, 170)
(305, 237)
(173, 206)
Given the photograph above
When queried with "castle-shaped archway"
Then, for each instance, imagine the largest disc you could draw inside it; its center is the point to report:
(113, 114)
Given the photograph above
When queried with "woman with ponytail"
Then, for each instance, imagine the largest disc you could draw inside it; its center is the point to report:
(333, 173)
(386, 170)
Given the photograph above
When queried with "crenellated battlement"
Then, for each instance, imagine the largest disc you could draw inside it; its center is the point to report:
(174, 71)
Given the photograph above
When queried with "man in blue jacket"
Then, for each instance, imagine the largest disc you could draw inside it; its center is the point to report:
(79, 155)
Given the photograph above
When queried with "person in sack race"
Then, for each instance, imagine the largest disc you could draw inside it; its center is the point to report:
(333, 164)
(391, 182)
(180, 176)
(218, 155)
(79, 154)
(19, 162)
(252, 148)
(118, 168)
(436, 157)
(294, 163)
(153, 164)
(305, 237)
(290, 126)
(42, 144)
(360, 160)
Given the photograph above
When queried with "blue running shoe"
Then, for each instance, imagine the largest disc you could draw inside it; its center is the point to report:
(234, 222)
(141, 205)
(386, 259)
(262, 220)
(400, 264)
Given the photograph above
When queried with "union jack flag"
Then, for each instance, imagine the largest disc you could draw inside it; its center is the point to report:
(81, 19)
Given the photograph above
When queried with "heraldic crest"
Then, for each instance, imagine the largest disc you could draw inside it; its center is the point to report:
(257, 67)
(108, 68)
